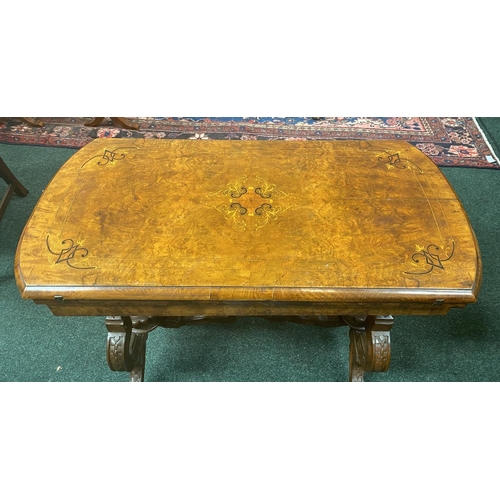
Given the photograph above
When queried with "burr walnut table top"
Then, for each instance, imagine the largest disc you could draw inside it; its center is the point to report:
(176, 227)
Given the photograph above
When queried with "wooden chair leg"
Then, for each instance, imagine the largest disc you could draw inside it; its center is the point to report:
(117, 122)
(13, 186)
(33, 122)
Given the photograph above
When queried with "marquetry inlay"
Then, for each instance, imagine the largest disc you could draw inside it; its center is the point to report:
(70, 253)
(250, 202)
(429, 257)
(426, 259)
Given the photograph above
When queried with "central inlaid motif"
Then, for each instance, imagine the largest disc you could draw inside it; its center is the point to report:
(250, 205)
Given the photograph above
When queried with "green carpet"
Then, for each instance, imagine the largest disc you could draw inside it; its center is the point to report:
(37, 346)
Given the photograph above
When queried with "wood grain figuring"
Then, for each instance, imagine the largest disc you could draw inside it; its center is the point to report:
(317, 221)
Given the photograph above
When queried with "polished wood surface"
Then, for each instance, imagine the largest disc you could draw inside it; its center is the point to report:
(152, 220)
(189, 228)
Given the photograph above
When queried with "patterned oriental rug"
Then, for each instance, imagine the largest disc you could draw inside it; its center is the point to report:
(449, 142)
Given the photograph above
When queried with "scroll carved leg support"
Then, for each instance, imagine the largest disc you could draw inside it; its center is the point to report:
(370, 345)
(126, 345)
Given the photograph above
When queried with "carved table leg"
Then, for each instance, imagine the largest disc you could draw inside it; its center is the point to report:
(370, 345)
(126, 345)
(369, 349)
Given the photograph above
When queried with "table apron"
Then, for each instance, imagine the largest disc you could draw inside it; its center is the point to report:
(241, 308)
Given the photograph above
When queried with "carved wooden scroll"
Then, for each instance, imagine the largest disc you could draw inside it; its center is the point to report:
(370, 345)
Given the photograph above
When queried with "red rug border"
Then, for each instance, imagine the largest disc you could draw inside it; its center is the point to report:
(12, 129)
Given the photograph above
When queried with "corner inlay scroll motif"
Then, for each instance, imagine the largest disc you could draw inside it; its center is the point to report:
(431, 257)
(248, 205)
(69, 252)
(107, 157)
(428, 258)
(393, 159)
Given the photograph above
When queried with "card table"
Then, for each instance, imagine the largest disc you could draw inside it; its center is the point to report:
(166, 233)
